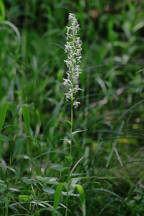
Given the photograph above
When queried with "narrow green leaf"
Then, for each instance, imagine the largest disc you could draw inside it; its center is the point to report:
(57, 196)
(3, 112)
(13, 27)
(3, 186)
(47, 180)
(24, 198)
(82, 198)
(26, 116)
(2, 11)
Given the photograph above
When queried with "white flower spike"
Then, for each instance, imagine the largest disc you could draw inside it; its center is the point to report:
(73, 51)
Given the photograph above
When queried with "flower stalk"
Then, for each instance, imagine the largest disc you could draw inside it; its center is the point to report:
(73, 49)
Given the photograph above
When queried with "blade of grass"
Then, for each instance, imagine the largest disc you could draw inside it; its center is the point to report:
(3, 112)
(57, 197)
(13, 27)
(2, 10)
(82, 198)
(26, 116)
(114, 144)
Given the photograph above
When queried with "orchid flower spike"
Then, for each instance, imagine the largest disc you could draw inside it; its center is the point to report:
(73, 48)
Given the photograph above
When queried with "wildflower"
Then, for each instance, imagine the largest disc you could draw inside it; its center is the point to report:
(73, 51)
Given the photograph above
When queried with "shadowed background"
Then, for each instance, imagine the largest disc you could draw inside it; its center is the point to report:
(32, 38)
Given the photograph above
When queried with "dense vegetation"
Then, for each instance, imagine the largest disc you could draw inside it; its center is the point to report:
(105, 175)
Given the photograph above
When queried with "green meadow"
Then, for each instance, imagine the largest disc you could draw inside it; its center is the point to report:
(56, 160)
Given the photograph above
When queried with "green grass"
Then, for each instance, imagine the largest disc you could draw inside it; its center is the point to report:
(106, 169)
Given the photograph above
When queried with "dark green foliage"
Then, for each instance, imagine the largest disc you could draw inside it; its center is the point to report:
(34, 116)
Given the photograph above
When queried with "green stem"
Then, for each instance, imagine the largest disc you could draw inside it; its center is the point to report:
(67, 198)
(0, 149)
(71, 130)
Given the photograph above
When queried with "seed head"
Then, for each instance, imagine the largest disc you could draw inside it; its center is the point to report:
(73, 51)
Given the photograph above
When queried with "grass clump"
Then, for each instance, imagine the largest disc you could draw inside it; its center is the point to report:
(49, 163)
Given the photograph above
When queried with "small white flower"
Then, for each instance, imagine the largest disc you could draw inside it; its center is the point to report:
(73, 51)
